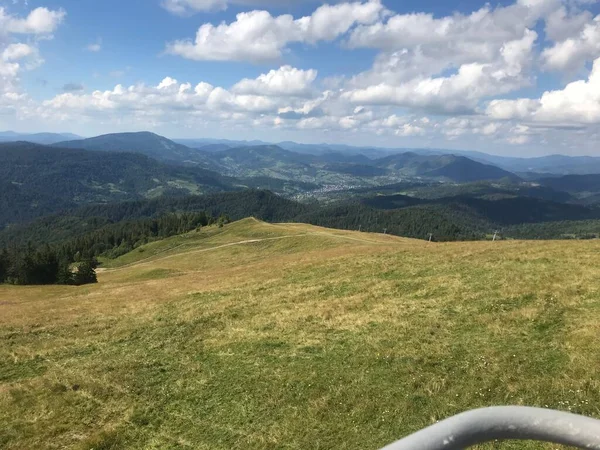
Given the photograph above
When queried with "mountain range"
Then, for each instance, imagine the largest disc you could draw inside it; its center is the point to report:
(37, 138)
(276, 162)
(524, 167)
(461, 192)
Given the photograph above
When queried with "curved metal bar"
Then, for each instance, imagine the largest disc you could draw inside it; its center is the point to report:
(505, 423)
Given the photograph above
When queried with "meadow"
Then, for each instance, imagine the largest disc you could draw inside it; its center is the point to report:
(292, 336)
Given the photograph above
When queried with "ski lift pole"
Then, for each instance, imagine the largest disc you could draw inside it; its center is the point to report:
(505, 423)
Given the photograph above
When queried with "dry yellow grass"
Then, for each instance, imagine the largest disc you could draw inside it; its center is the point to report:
(293, 336)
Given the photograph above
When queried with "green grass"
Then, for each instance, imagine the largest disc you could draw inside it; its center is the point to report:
(308, 338)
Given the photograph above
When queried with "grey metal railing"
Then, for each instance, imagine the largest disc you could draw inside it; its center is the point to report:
(505, 423)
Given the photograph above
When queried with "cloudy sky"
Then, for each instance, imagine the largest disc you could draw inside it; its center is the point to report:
(515, 78)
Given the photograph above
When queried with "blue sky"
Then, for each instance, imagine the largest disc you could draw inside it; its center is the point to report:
(513, 78)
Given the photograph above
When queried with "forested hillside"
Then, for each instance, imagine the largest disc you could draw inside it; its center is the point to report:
(37, 180)
(322, 167)
(502, 210)
(447, 218)
(451, 167)
(79, 221)
(44, 251)
(146, 143)
(74, 260)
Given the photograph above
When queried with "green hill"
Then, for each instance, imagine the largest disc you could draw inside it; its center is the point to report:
(37, 180)
(146, 143)
(265, 160)
(260, 335)
(583, 186)
(77, 222)
(501, 210)
(455, 168)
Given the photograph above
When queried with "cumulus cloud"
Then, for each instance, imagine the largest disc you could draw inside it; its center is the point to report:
(286, 80)
(190, 7)
(268, 93)
(561, 24)
(18, 56)
(512, 109)
(439, 65)
(476, 35)
(578, 102)
(39, 21)
(425, 68)
(518, 140)
(459, 92)
(573, 52)
(448, 64)
(258, 36)
(410, 130)
(17, 51)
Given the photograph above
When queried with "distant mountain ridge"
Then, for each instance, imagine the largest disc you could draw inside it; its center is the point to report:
(146, 143)
(550, 164)
(327, 167)
(558, 164)
(37, 138)
(456, 168)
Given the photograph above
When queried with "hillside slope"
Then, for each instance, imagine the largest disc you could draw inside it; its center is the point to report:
(83, 220)
(37, 180)
(455, 168)
(146, 143)
(257, 335)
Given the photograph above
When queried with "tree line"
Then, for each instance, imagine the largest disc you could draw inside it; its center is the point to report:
(74, 261)
(62, 248)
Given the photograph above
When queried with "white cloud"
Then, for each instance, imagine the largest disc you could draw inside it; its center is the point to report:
(572, 53)
(578, 102)
(448, 64)
(512, 109)
(561, 25)
(518, 140)
(257, 36)
(94, 47)
(167, 83)
(461, 91)
(479, 34)
(15, 56)
(188, 7)
(424, 66)
(18, 51)
(410, 130)
(39, 21)
(489, 129)
(268, 93)
(286, 80)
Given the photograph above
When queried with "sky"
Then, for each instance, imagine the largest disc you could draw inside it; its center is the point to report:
(512, 78)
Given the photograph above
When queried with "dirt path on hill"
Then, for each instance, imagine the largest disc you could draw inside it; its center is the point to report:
(153, 258)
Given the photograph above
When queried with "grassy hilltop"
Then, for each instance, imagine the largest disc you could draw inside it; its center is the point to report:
(293, 336)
